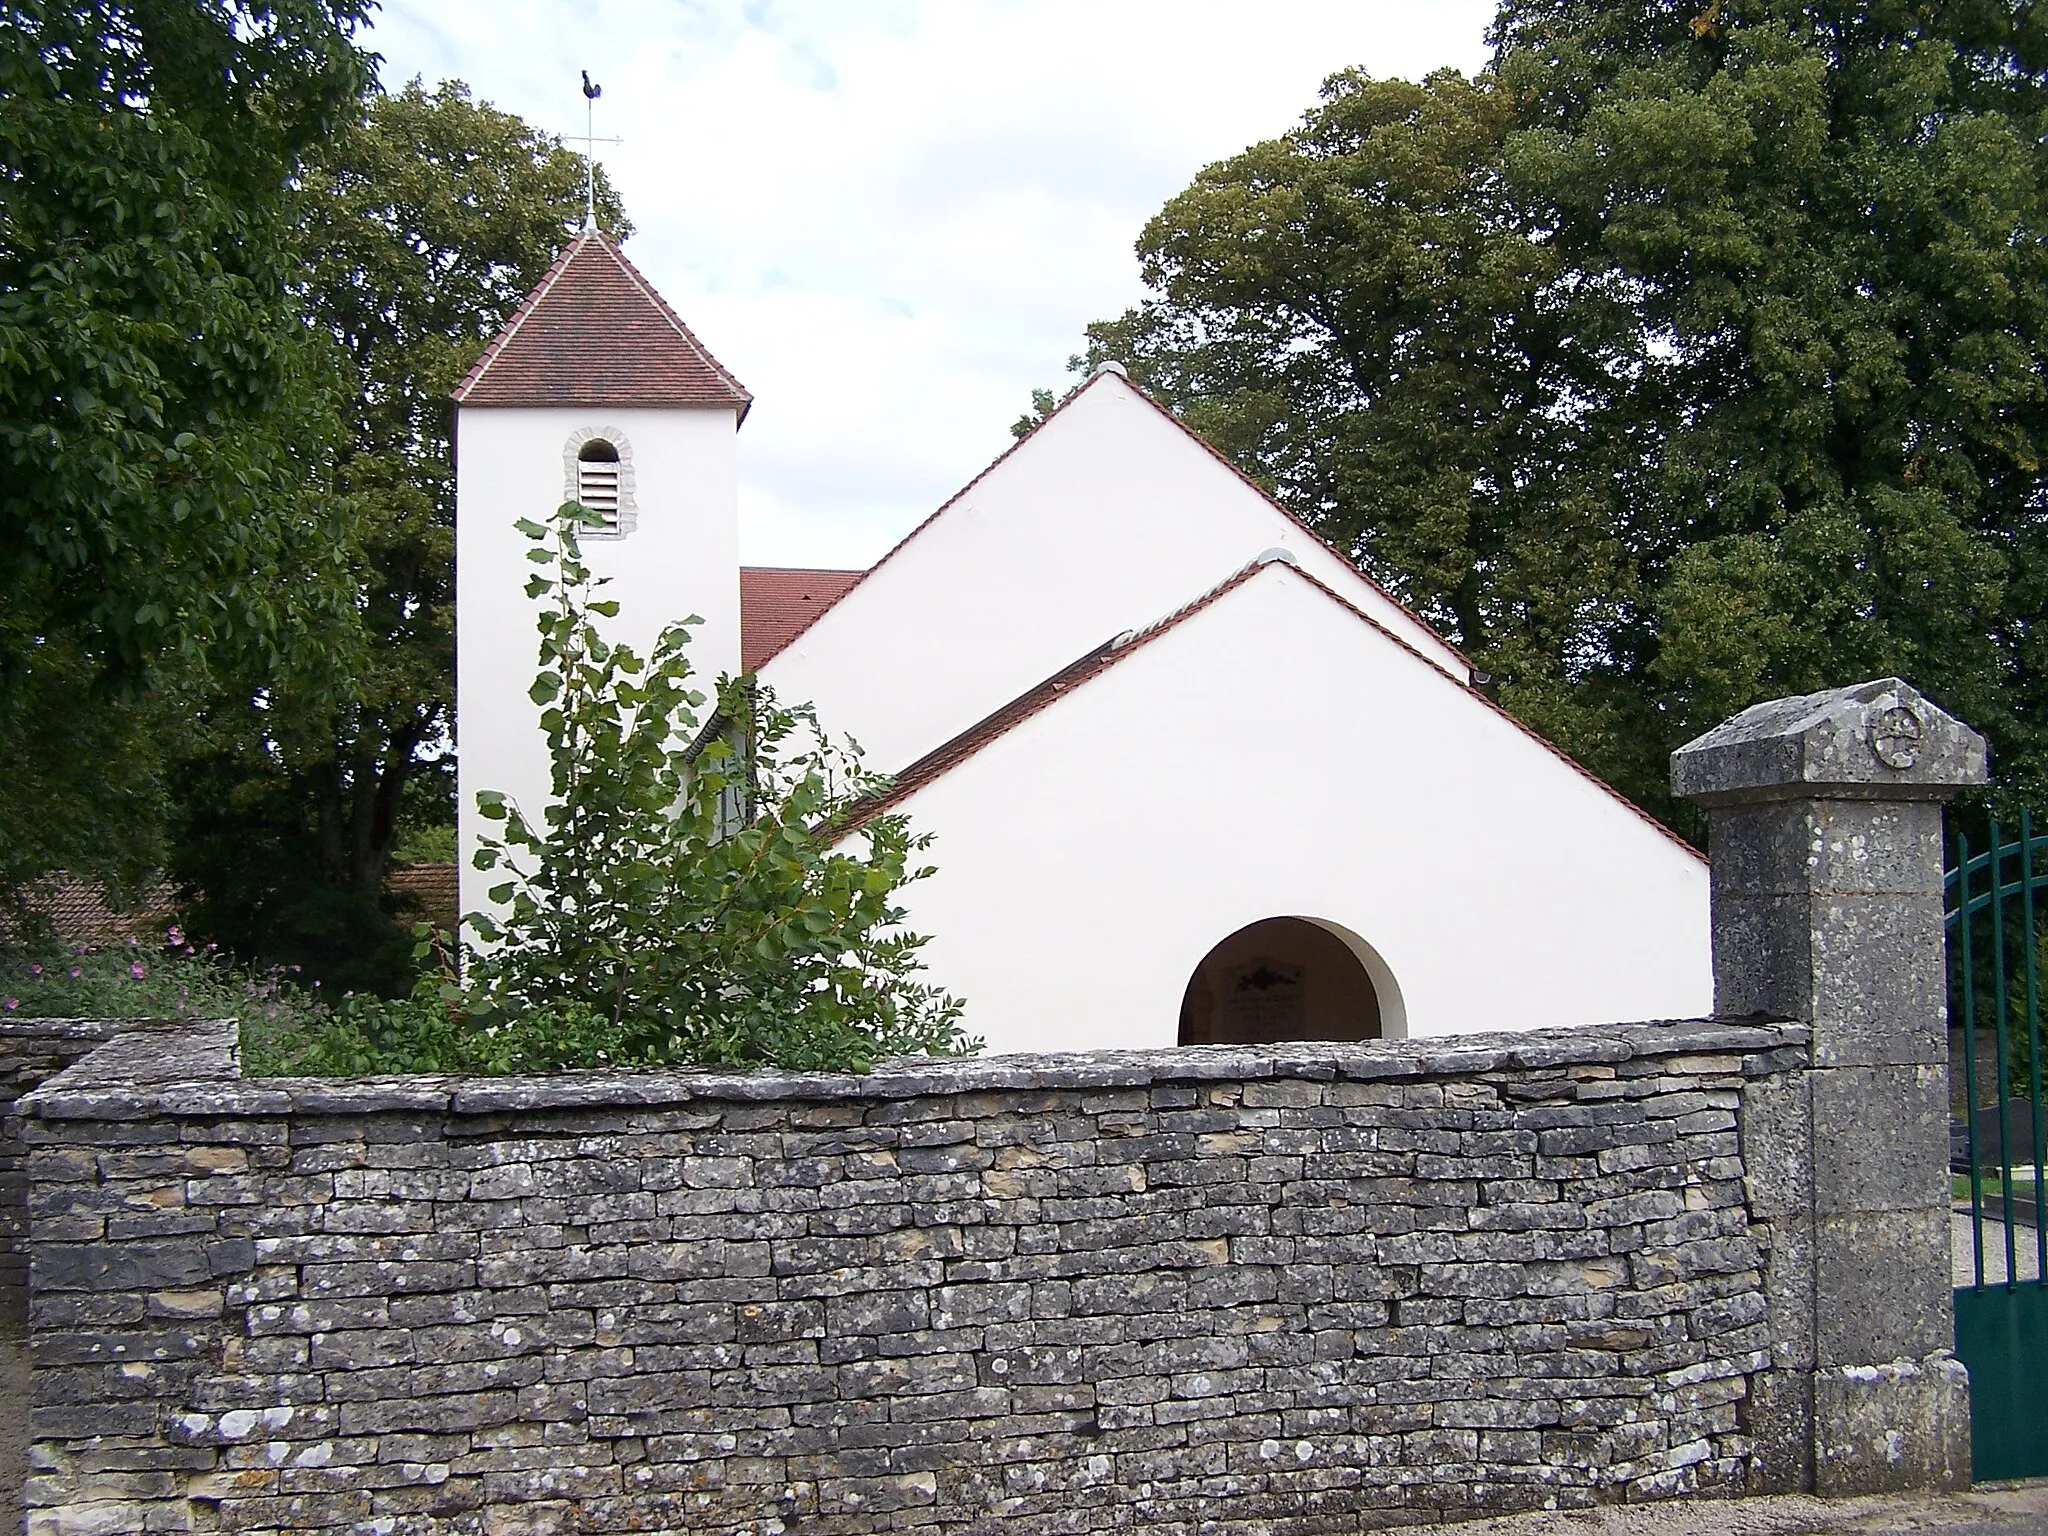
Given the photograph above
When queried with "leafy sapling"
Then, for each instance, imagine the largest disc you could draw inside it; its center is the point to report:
(683, 896)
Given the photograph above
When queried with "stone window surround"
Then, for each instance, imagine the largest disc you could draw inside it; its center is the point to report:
(629, 507)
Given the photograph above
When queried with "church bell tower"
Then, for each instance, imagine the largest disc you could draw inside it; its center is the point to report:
(594, 392)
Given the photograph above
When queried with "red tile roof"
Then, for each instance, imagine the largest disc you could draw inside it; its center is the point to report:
(941, 760)
(434, 887)
(776, 602)
(80, 914)
(594, 332)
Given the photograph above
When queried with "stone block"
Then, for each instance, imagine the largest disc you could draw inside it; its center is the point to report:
(1880, 1139)
(139, 1266)
(1882, 739)
(1789, 1291)
(1830, 847)
(1867, 971)
(1777, 1145)
(1879, 989)
(1883, 1289)
(1893, 1427)
(1763, 955)
(1778, 1418)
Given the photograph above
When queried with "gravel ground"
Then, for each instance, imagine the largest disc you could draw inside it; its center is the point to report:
(1963, 1259)
(2006, 1509)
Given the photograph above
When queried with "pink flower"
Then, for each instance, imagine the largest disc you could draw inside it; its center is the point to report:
(76, 972)
(138, 970)
(175, 936)
(13, 1003)
(131, 941)
(35, 970)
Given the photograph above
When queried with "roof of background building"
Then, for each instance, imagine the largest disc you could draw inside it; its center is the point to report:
(594, 332)
(79, 913)
(778, 601)
(433, 889)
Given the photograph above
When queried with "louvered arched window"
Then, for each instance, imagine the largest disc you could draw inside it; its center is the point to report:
(598, 473)
(597, 479)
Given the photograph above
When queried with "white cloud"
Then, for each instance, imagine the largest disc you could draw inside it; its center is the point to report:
(892, 218)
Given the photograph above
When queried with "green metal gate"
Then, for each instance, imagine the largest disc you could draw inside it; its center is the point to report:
(1995, 983)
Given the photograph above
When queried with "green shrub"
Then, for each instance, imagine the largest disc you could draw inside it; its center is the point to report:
(683, 897)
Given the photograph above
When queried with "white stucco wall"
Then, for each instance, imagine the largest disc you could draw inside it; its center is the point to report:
(681, 558)
(1106, 519)
(1274, 756)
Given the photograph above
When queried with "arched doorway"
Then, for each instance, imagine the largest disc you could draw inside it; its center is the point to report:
(1286, 978)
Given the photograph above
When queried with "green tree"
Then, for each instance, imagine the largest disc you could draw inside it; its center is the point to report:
(425, 224)
(1689, 355)
(684, 895)
(161, 409)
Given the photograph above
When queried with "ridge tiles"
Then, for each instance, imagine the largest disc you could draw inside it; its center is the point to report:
(595, 332)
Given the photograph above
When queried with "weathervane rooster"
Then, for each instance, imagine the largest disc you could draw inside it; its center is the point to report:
(591, 91)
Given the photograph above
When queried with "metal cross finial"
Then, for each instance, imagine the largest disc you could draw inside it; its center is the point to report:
(591, 91)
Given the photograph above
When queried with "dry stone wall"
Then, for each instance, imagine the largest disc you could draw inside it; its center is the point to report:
(1305, 1288)
(31, 1050)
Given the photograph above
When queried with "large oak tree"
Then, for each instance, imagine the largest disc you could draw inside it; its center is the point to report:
(162, 411)
(1687, 355)
(425, 223)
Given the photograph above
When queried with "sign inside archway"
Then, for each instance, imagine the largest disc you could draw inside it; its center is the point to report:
(1282, 978)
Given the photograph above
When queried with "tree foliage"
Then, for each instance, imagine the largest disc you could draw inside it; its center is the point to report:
(684, 896)
(1688, 355)
(161, 409)
(424, 224)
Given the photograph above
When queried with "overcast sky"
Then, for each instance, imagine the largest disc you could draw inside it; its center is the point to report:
(892, 218)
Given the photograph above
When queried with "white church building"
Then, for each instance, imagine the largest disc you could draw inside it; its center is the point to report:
(1193, 777)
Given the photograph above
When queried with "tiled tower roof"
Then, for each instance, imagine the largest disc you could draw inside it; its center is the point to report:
(594, 332)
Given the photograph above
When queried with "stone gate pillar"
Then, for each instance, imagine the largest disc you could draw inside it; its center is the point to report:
(1825, 825)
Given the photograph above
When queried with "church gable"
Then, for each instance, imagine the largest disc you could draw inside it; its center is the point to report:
(595, 332)
(1271, 753)
(1365, 631)
(1108, 515)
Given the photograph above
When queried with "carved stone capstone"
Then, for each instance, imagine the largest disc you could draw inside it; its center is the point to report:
(1879, 740)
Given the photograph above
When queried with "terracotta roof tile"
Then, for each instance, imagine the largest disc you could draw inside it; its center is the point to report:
(594, 332)
(777, 601)
(79, 912)
(433, 886)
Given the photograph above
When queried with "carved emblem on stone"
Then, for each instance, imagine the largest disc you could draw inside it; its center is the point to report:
(1895, 733)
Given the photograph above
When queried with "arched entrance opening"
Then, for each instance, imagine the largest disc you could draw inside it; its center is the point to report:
(1290, 978)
